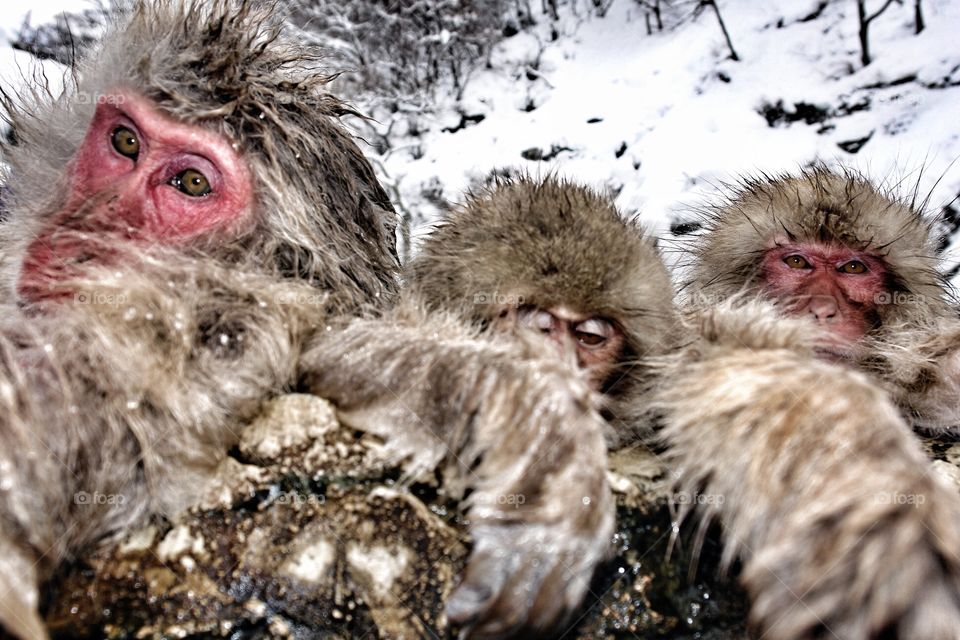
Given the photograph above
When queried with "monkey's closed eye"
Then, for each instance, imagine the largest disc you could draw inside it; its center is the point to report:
(796, 262)
(192, 182)
(125, 142)
(854, 266)
(537, 319)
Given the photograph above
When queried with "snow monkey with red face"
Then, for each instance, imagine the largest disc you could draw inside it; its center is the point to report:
(825, 333)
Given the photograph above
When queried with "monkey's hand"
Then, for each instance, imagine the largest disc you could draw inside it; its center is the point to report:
(921, 368)
(843, 527)
(541, 519)
(517, 430)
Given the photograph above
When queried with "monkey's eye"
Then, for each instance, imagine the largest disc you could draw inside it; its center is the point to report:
(125, 142)
(536, 319)
(796, 262)
(191, 182)
(593, 333)
(854, 267)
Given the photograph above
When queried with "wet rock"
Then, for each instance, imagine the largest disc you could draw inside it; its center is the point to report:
(306, 532)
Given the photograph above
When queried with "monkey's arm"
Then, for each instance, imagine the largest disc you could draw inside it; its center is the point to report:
(843, 527)
(517, 430)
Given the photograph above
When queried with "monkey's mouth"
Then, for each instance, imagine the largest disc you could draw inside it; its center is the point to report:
(835, 351)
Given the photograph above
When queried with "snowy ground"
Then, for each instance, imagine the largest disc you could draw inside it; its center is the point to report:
(661, 120)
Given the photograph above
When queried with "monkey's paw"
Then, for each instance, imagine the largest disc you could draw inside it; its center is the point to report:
(526, 577)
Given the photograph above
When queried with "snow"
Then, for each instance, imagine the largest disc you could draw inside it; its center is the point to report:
(19, 69)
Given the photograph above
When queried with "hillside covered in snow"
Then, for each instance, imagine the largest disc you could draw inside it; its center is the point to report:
(662, 119)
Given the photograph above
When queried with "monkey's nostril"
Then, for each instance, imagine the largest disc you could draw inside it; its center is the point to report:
(823, 308)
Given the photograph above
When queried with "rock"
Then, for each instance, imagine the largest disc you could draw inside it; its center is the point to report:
(306, 532)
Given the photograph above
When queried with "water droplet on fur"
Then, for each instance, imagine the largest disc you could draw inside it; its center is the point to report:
(586, 500)
(133, 404)
(48, 348)
(129, 314)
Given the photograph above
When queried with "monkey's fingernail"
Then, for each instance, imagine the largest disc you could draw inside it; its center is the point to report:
(467, 602)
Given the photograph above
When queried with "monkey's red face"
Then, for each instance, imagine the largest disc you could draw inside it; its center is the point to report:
(838, 287)
(144, 177)
(597, 342)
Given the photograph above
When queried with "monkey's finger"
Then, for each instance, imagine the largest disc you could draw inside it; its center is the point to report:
(553, 603)
(18, 594)
(487, 572)
(514, 582)
(534, 601)
(17, 618)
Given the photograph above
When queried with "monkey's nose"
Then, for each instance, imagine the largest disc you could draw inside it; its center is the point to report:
(823, 308)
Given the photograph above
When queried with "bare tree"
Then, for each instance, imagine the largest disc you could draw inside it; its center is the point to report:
(865, 20)
(549, 8)
(407, 50)
(671, 14)
(723, 27)
(918, 23)
(652, 9)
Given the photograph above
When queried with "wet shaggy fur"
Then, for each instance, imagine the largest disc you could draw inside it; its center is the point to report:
(228, 67)
(509, 421)
(843, 527)
(548, 244)
(122, 390)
